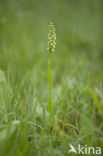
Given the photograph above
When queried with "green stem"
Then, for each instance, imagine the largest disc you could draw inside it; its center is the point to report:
(50, 103)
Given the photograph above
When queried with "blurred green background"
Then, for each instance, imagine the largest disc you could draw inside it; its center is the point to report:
(24, 31)
(77, 65)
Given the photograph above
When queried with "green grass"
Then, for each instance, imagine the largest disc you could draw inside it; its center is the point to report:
(77, 89)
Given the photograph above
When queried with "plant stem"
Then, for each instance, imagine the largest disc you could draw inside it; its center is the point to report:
(50, 103)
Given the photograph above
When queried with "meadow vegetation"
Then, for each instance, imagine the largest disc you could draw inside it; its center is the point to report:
(26, 127)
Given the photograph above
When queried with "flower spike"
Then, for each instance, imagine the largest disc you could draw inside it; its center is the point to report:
(51, 37)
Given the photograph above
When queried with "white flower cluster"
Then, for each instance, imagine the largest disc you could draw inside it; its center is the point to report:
(52, 37)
